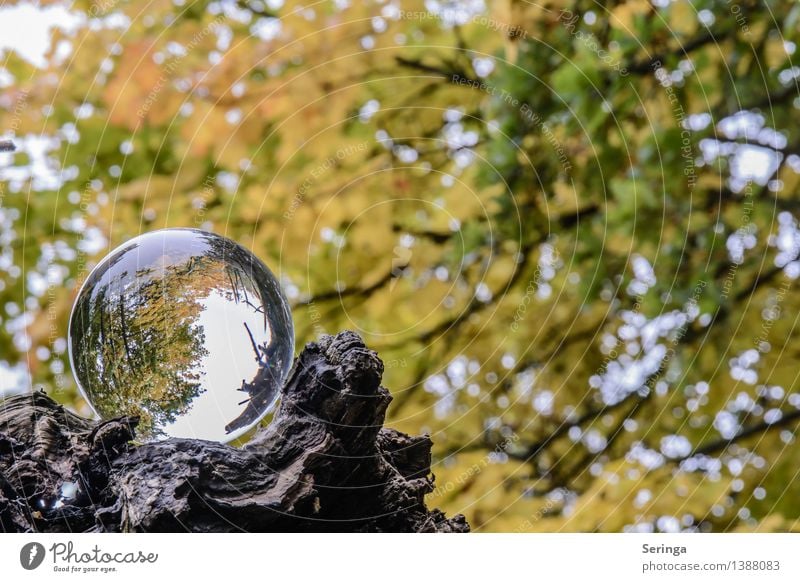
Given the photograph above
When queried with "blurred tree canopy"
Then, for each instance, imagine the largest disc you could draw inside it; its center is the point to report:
(569, 228)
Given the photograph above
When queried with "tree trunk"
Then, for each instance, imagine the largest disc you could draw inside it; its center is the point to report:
(325, 463)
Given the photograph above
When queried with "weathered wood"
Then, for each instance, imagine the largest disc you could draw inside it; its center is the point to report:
(325, 463)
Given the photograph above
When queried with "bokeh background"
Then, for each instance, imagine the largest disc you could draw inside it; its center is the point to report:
(568, 227)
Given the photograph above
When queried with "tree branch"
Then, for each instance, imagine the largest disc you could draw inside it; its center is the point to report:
(756, 429)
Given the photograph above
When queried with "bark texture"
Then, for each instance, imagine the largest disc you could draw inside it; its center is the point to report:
(325, 463)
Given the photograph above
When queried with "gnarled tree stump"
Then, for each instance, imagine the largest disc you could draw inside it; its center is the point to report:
(325, 463)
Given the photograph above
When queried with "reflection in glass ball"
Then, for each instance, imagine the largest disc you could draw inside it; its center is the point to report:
(186, 330)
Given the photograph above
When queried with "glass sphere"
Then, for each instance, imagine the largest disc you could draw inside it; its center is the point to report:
(185, 329)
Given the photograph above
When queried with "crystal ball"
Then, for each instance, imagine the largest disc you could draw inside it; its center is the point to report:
(185, 329)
